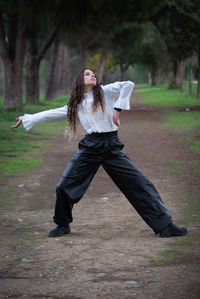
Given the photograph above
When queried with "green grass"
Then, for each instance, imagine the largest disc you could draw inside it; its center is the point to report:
(21, 150)
(182, 120)
(8, 192)
(161, 96)
(194, 143)
(181, 241)
(18, 166)
(170, 100)
(192, 207)
(3, 203)
(175, 166)
(188, 123)
(167, 256)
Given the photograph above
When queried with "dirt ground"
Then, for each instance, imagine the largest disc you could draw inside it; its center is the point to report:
(111, 252)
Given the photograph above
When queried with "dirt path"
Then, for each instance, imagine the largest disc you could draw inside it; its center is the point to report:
(111, 252)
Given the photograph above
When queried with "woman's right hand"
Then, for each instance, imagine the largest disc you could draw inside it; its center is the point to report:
(18, 123)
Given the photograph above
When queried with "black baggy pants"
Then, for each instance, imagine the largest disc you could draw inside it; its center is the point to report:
(106, 149)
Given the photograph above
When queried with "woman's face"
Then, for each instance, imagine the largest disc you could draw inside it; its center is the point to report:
(89, 79)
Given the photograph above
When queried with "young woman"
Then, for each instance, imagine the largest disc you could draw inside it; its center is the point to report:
(98, 111)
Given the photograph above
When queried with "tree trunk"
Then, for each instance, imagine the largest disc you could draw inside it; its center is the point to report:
(52, 73)
(123, 70)
(83, 56)
(59, 71)
(13, 84)
(34, 58)
(180, 75)
(1, 78)
(155, 75)
(191, 71)
(190, 78)
(102, 64)
(32, 75)
(13, 70)
(64, 70)
(198, 78)
(12, 51)
(149, 78)
(173, 82)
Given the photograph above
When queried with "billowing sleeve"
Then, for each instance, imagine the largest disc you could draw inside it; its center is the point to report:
(123, 91)
(29, 120)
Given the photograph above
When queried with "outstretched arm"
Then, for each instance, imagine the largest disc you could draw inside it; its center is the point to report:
(18, 123)
(29, 120)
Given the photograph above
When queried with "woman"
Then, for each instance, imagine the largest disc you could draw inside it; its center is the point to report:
(98, 112)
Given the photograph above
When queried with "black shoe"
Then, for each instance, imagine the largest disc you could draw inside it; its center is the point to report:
(173, 231)
(59, 231)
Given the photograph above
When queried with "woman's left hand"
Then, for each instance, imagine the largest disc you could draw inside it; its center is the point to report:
(18, 123)
(116, 117)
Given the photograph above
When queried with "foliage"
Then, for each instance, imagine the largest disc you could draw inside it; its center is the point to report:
(93, 33)
(127, 44)
(94, 62)
(181, 39)
(153, 49)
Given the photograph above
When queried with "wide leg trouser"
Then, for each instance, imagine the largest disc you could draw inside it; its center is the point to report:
(106, 149)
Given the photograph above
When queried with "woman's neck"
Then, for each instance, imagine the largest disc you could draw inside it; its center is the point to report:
(87, 89)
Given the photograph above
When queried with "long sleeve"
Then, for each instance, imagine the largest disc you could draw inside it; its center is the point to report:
(29, 120)
(123, 91)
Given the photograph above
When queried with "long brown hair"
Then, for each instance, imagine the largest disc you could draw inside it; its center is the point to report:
(77, 96)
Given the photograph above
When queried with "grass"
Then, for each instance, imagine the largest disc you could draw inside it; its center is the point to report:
(194, 143)
(162, 96)
(8, 191)
(18, 165)
(3, 203)
(21, 150)
(181, 120)
(181, 241)
(188, 123)
(167, 256)
(175, 166)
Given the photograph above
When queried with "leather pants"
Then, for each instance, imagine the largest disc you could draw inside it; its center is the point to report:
(106, 149)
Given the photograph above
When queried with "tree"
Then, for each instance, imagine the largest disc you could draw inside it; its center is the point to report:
(13, 27)
(85, 17)
(39, 39)
(119, 30)
(153, 53)
(181, 39)
(59, 70)
(127, 46)
(96, 35)
(1, 77)
(190, 65)
(95, 63)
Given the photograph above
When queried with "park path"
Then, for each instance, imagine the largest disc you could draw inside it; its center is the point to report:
(111, 252)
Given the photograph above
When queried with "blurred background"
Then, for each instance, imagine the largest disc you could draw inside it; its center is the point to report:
(44, 43)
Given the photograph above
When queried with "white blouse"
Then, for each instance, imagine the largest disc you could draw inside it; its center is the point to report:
(91, 122)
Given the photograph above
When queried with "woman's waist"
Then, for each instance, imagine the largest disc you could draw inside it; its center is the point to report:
(103, 134)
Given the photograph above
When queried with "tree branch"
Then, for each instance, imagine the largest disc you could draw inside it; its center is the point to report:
(47, 43)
